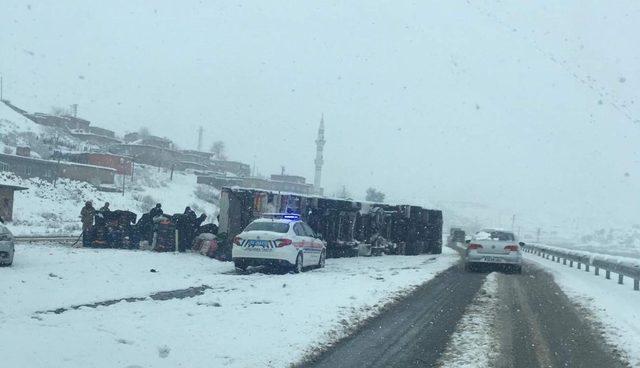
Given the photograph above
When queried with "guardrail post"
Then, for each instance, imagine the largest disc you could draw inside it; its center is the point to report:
(620, 277)
(564, 261)
(586, 267)
(636, 284)
(553, 258)
(597, 270)
(607, 274)
(571, 263)
(579, 265)
(558, 259)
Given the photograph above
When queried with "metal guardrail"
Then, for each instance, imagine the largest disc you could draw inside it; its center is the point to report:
(45, 239)
(598, 262)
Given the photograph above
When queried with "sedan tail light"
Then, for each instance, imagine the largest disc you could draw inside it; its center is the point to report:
(237, 240)
(511, 248)
(283, 242)
(474, 246)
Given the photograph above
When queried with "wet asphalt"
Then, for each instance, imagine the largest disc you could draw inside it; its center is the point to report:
(537, 324)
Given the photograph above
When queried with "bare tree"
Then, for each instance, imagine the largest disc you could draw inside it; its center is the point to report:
(374, 195)
(218, 150)
(144, 132)
(59, 111)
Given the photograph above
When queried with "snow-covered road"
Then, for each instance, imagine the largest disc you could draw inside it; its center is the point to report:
(239, 321)
(616, 307)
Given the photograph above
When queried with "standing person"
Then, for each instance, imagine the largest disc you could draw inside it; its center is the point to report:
(105, 208)
(156, 211)
(187, 231)
(191, 215)
(86, 216)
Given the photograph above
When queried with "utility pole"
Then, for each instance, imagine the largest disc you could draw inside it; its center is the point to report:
(254, 166)
(513, 223)
(200, 131)
(1, 90)
(538, 235)
(133, 167)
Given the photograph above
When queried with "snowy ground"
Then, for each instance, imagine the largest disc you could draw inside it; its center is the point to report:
(617, 307)
(239, 321)
(475, 329)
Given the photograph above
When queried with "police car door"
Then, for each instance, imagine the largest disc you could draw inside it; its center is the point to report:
(304, 242)
(315, 243)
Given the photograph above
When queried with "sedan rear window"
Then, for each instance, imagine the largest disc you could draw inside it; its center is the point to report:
(494, 235)
(276, 227)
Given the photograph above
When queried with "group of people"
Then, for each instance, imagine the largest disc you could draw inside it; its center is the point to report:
(88, 213)
(187, 224)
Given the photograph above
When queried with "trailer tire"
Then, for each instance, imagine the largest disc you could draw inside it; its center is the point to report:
(240, 266)
(298, 266)
(322, 260)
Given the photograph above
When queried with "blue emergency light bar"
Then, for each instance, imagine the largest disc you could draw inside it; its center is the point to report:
(284, 216)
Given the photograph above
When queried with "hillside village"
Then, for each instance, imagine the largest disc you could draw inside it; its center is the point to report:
(56, 162)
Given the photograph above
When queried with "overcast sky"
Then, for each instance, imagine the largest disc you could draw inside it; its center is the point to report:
(527, 109)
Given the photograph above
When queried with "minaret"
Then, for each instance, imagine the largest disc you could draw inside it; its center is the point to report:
(317, 179)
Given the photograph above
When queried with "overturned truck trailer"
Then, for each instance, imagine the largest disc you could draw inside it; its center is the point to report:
(344, 224)
(401, 229)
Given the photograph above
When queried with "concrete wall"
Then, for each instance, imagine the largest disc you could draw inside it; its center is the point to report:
(150, 155)
(50, 170)
(122, 165)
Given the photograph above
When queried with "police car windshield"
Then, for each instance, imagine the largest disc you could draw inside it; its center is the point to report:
(276, 227)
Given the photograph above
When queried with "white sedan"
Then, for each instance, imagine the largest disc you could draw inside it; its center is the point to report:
(280, 240)
(6, 246)
(494, 247)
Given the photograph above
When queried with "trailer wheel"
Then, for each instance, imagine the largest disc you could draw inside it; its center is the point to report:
(298, 267)
(322, 261)
(240, 266)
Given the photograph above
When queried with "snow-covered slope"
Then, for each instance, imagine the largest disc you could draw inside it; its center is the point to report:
(16, 130)
(12, 121)
(614, 241)
(48, 208)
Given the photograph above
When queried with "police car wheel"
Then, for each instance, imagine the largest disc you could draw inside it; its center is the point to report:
(297, 268)
(322, 260)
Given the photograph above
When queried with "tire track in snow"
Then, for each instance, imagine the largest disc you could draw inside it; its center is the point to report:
(474, 341)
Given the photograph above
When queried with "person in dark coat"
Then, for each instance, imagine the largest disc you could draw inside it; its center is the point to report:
(156, 211)
(191, 216)
(86, 215)
(186, 224)
(105, 208)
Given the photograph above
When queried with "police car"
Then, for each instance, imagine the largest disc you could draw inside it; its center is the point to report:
(281, 240)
